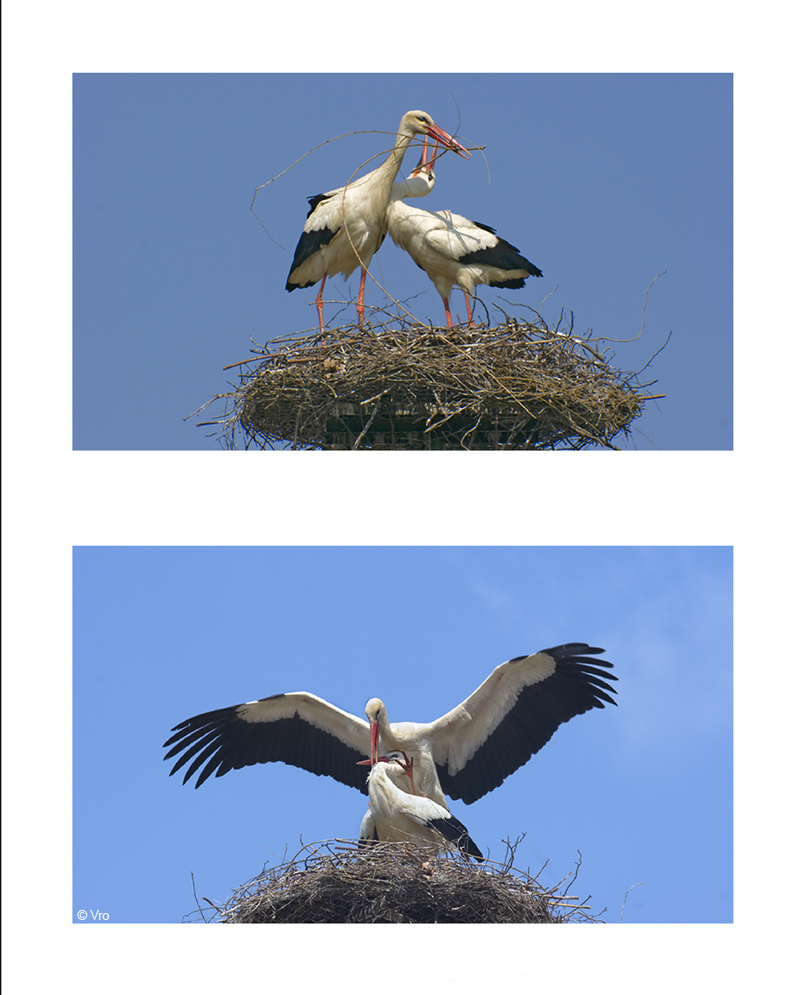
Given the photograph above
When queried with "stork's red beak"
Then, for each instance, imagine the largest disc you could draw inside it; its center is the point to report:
(424, 155)
(410, 763)
(444, 138)
(374, 742)
(378, 760)
(423, 163)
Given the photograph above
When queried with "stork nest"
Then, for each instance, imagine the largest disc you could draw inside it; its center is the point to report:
(401, 385)
(393, 882)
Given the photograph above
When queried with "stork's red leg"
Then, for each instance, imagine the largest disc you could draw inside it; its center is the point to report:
(319, 302)
(449, 322)
(468, 306)
(360, 301)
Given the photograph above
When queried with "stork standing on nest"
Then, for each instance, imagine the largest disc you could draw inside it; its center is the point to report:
(452, 251)
(399, 817)
(464, 754)
(345, 227)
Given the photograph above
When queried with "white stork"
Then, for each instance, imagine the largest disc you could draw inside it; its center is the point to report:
(345, 227)
(367, 829)
(397, 816)
(464, 754)
(453, 251)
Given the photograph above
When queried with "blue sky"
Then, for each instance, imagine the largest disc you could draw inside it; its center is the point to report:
(643, 790)
(604, 181)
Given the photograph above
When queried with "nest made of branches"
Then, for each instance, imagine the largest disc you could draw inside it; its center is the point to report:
(401, 385)
(394, 882)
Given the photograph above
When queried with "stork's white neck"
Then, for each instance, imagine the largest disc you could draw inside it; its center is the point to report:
(383, 176)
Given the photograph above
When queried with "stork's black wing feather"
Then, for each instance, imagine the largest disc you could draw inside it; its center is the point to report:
(454, 831)
(225, 740)
(577, 685)
(502, 255)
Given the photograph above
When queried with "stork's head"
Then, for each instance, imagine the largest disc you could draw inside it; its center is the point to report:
(377, 716)
(397, 757)
(421, 123)
(419, 183)
(398, 763)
